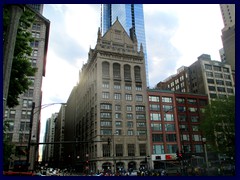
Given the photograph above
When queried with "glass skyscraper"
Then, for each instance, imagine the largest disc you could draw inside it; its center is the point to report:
(130, 16)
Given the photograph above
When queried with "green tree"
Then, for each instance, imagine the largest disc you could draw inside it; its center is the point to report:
(218, 125)
(8, 148)
(21, 66)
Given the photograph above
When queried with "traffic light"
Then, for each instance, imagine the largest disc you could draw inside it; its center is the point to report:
(109, 141)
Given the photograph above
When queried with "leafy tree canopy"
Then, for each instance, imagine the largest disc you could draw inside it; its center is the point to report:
(218, 125)
(21, 66)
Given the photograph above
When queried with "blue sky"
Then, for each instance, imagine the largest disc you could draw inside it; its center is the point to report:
(176, 34)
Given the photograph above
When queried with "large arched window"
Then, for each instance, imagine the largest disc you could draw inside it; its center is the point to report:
(116, 71)
(105, 69)
(137, 73)
(127, 72)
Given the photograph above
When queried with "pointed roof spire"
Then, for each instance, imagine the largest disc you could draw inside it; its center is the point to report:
(99, 35)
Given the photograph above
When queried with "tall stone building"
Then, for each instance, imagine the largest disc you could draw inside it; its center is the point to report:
(228, 34)
(111, 106)
(19, 116)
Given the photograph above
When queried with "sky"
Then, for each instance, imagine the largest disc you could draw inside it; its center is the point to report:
(176, 35)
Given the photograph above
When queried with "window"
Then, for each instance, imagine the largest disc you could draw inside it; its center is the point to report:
(128, 97)
(192, 109)
(198, 148)
(131, 149)
(213, 95)
(130, 132)
(129, 116)
(197, 137)
(141, 124)
(105, 115)
(129, 124)
(128, 87)
(195, 128)
(137, 73)
(105, 69)
(105, 85)
(182, 118)
(221, 89)
(34, 44)
(194, 118)
(180, 100)
(141, 133)
(171, 148)
(168, 117)
(181, 109)
(211, 88)
(36, 27)
(155, 116)
(154, 107)
(139, 98)
(208, 66)
(35, 53)
(140, 108)
(217, 68)
(225, 70)
(35, 34)
(167, 99)
(10, 126)
(117, 85)
(219, 82)
(156, 127)
(129, 108)
(209, 74)
(105, 95)
(142, 149)
(171, 137)
(167, 108)
(106, 132)
(28, 93)
(192, 101)
(228, 83)
(106, 150)
(26, 114)
(157, 138)
(229, 90)
(227, 76)
(105, 106)
(12, 114)
(210, 81)
(169, 127)
(116, 71)
(140, 116)
(202, 102)
(117, 96)
(106, 123)
(138, 87)
(218, 75)
(183, 127)
(158, 149)
(127, 72)
(154, 99)
(118, 124)
(119, 150)
(118, 115)
(117, 107)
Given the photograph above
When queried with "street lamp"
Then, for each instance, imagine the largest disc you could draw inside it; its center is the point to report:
(31, 124)
(205, 151)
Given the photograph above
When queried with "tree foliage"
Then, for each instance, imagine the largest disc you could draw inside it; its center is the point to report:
(21, 66)
(218, 125)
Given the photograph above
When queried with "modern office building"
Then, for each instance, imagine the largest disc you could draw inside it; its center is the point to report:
(131, 16)
(19, 116)
(110, 120)
(204, 76)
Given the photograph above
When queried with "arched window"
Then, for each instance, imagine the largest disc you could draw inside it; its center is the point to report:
(116, 71)
(127, 72)
(137, 73)
(105, 69)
